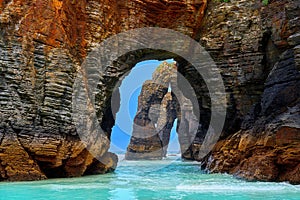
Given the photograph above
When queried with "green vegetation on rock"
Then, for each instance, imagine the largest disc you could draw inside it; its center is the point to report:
(265, 2)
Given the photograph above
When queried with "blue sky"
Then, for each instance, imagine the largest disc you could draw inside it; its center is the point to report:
(130, 90)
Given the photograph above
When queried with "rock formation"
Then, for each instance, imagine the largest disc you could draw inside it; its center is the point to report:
(155, 116)
(165, 122)
(157, 111)
(44, 42)
(267, 146)
(260, 66)
(42, 45)
(270, 133)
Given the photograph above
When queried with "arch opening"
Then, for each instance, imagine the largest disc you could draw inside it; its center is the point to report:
(104, 69)
(188, 145)
(130, 89)
(107, 99)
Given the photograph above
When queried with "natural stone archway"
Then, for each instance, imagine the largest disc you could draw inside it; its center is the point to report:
(43, 43)
(158, 89)
(155, 116)
(157, 111)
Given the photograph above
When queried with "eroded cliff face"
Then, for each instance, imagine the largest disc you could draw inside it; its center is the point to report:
(156, 114)
(257, 50)
(267, 146)
(157, 111)
(43, 43)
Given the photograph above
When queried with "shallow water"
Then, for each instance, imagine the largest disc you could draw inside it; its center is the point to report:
(166, 179)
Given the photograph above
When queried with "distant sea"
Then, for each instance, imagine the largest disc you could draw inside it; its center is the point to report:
(170, 178)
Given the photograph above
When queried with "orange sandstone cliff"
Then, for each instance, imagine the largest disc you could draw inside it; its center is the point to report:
(44, 42)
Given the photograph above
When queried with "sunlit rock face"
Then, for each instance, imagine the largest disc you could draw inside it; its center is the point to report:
(157, 111)
(44, 42)
(155, 116)
(165, 122)
(42, 45)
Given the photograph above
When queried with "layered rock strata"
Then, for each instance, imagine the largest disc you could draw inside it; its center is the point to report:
(267, 145)
(44, 42)
(157, 111)
(270, 133)
(155, 116)
(259, 62)
(165, 122)
(42, 45)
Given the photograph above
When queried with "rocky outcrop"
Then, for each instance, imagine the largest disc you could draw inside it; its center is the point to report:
(165, 122)
(236, 36)
(157, 111)
(13, 155)
(108, 163)
(267, 146)
(44, 42)
(42, 45)
(155, 116)
(257, 51)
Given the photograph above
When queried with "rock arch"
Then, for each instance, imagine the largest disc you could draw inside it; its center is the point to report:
(157, 110)
(43, 43)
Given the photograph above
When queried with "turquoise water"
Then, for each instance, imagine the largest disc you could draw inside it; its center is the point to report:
(166, 179)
